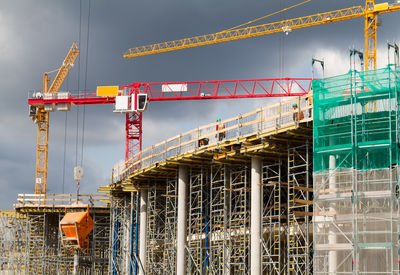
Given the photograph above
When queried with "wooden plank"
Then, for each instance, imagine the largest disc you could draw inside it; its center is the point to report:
(301, 201)
(303, 214)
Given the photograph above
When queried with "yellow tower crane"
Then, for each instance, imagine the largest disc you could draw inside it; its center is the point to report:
(369, 12)
(40, 115)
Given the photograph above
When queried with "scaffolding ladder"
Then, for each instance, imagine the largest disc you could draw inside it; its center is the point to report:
(219, 241)
(299, 209)
(155, 230)
(239, 221)
(196, 234)
(170, 226)
(273, 213)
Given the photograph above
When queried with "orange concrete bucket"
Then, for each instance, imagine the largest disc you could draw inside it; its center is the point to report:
(76, 228)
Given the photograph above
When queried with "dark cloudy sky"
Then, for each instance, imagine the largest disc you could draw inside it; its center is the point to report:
(36, 35)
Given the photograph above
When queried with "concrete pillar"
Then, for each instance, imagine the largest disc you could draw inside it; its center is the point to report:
(142, 230)
(332, 256)
(181, 234)
(255, 217)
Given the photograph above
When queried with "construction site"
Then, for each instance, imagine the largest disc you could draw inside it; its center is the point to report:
(305, 185)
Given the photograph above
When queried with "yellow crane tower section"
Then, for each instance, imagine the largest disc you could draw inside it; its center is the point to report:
(41, 118)
(369, 12)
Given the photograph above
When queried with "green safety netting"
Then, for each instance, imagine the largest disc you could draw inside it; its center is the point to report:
(355, 119)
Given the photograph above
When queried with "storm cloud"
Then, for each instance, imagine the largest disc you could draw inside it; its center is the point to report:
(36, 35)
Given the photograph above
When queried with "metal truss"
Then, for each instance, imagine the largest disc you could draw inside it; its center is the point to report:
(250, 31)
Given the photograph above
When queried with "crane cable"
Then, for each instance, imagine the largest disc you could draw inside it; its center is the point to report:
(85, 86)
(79, 73)
(282, 45)
(65, 144)
(268, 15)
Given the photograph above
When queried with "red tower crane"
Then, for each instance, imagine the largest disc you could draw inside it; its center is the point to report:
(133, 99)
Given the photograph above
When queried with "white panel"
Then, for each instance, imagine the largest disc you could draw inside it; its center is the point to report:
(49, 107)
(121, 103)
(63, 95)
(48, 96)
(63, 107)
(174, 88)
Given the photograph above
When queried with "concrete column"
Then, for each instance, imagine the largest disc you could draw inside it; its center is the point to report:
(332, 256)
(142, 230)
(255, 217)
(181, 234)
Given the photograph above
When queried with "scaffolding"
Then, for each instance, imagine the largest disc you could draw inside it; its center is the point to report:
(274, 218)
(356, 174)
(12, 241)
(218, 218)
(219, 240)
(299, 210)
(155, 229)
(198, 222)
(170, 225)
(123, 237)
(217, 208)
(35, 243)
(30, 237)
(239, 220)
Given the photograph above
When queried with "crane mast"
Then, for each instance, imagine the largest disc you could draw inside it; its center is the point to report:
(41, 117)
(369, 12)
(370, 35)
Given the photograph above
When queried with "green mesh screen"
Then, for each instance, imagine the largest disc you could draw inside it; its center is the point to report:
(355, 117)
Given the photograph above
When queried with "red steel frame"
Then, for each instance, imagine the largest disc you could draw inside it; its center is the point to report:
(224, 89)
(199, 90)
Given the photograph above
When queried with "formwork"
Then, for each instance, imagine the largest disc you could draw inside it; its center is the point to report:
(218, 225)
(356, 174)
(31, 239)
